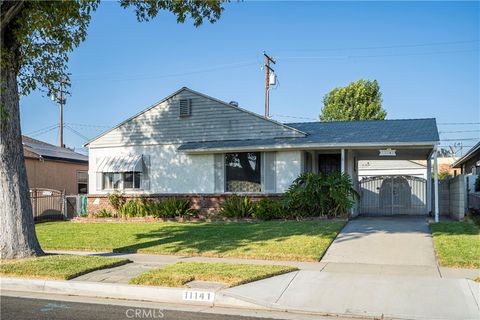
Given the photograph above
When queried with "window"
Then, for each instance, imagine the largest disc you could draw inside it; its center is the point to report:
(242, 172)
(121, 180)
(328, 163)
(82, 182)
(131, 180)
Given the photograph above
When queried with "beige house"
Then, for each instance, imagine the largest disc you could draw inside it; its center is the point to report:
(52, 167)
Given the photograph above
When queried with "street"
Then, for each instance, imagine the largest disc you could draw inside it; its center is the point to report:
(14, 308)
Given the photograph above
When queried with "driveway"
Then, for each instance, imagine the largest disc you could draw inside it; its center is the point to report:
(374, 242)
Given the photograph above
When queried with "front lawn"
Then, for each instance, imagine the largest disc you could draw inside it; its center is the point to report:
(59, 267)
(233, 274)
(272, 240)
(457, 244)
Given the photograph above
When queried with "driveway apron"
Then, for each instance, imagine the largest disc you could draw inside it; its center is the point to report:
(393, 241)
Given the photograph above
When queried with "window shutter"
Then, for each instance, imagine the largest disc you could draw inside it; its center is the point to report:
(98, 181)
(185, 109)
(219, 172)
(269, 174)
(146, 173)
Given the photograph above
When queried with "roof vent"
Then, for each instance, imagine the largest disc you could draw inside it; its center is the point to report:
(233, 103)
(185, 109)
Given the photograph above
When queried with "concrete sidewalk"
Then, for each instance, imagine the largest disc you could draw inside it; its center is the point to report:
(398, 297)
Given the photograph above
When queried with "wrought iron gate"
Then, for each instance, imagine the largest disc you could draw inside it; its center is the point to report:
(47, 204)
(391, 195)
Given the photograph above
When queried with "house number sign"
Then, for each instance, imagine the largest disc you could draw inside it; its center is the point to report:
(388, 153)
(205, 296)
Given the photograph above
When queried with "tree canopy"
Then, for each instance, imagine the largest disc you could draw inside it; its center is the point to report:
(40, 34)
(360, 100)
(36, 37)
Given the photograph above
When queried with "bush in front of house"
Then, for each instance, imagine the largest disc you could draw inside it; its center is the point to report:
(133, 208)
(314, 194)
(269, 209)
(116, 200)
(171, 208)
(104, 213)
(237, 207)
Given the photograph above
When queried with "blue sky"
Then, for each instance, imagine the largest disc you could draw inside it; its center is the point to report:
(425, 56)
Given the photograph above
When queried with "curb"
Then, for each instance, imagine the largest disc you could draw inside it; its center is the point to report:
(107, 290)
(148, 293)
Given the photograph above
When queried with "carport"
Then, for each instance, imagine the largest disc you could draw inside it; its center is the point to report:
(341, 145)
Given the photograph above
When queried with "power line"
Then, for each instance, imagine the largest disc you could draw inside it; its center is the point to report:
(460, 139)
(396, 46)
(87, 125)
(44, 131)
(461, 131)
(41, 129)
(457, 123)
(376, 56)
(146, 76)
(77, 133)
(293, 117)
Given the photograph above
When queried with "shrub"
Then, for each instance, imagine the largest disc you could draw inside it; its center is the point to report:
(133, 208)
(237, 207)
(103, 214)
(268, 209)
(171, 208)
(314, 194)
(116, 200)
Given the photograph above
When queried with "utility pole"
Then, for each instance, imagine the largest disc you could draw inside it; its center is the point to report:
(267, 82)
(61, 114)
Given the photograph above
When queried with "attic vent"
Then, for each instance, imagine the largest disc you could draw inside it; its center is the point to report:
(185, 108)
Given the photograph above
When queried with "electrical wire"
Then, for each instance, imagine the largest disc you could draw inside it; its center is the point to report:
(78, 133)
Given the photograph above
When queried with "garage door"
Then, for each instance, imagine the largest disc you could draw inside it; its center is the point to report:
(393, 195)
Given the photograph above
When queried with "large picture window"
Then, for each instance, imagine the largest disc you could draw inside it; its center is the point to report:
(242, 172)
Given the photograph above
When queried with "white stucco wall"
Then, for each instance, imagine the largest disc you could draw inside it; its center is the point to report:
(288, 166)
(170, 172)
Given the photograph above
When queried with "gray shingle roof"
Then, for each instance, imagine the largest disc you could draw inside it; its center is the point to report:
(36, 148)
(381, 132)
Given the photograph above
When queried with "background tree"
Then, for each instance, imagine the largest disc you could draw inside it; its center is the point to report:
(36, 37)
(361, 100)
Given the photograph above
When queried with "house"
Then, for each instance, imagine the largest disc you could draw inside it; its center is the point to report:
(192, 145)
(469, 163)
(56, 168)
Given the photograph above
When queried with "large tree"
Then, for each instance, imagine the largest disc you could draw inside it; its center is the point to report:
(361, 100)
(36, 37)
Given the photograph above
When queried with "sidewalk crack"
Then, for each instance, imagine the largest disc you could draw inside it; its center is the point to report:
(288, 285)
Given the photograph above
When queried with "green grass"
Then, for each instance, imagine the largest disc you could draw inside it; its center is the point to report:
(233, 274)
(59, 267)
(272, 240)
(457, 244)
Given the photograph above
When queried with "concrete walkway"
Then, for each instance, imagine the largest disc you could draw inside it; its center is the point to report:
(379, 296)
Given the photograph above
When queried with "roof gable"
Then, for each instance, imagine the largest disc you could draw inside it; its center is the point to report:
(211, 119)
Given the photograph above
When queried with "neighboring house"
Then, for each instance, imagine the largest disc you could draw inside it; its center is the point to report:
(52, 167)
(470, 162)
(372, 168)
(190, 144)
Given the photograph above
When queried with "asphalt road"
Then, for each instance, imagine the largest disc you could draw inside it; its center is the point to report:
(13, 308)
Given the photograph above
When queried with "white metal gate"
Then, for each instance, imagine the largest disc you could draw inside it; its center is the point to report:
(392, 195)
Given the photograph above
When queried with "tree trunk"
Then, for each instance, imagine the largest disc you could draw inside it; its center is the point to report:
(17, 235)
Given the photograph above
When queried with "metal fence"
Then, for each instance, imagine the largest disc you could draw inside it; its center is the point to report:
(75, 205)
(47, 204)
(392, 195)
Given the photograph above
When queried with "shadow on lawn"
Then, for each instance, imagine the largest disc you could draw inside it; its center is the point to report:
(221, 237)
